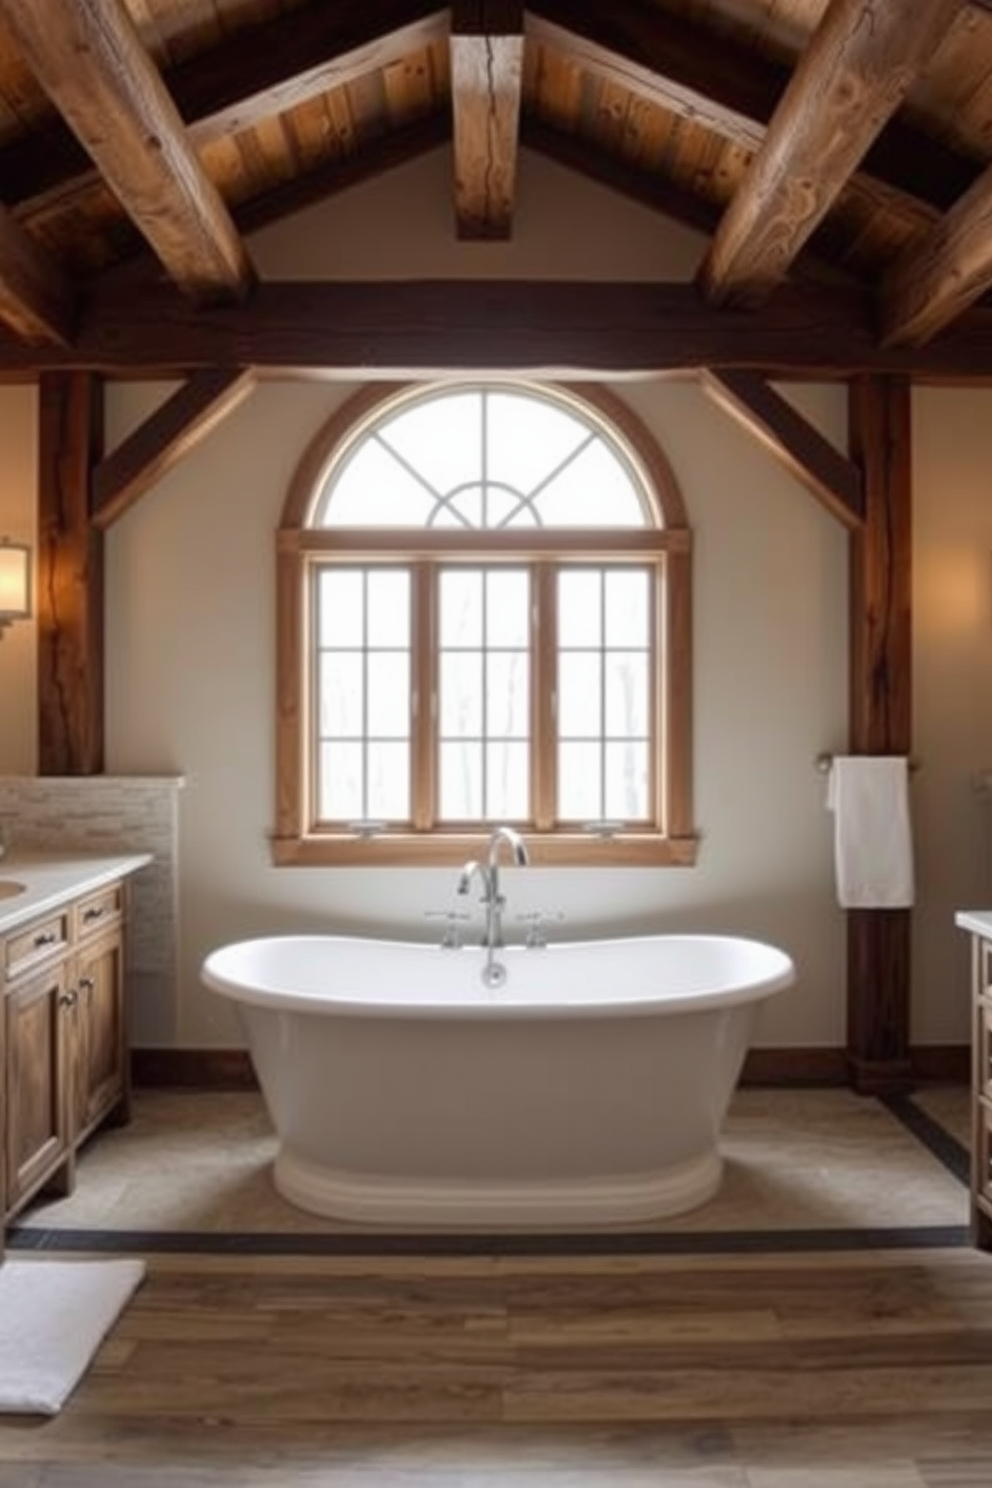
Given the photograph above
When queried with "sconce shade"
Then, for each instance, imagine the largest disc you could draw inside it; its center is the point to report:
(15, 581)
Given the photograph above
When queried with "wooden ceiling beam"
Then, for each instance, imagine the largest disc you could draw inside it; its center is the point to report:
(487, 51)
(251, 76)
(934, 281)
(398, 328)
(36, 300)
(683, 66)
(856, 70)
(89, 59)
(795, 443)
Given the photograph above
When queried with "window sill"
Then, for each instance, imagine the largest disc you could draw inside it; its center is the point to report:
(452, 849)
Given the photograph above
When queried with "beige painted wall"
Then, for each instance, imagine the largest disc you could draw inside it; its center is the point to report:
(190, 652)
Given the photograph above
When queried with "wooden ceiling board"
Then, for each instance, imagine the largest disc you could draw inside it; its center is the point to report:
(951, 99)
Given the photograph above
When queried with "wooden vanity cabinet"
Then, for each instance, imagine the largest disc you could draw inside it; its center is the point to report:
(37, 1110)
(66, 1057)
(981, 1091)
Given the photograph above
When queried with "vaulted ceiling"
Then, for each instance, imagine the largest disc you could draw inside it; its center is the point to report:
(837, 155)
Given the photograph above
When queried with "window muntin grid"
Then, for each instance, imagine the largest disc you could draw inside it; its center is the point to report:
(658, 540)
(484, 713)
(605, 694)
(483, 459)
(362, 693)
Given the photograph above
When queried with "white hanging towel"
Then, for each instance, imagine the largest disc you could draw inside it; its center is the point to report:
(873, 845)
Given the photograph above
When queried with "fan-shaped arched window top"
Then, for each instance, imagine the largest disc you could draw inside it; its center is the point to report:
(484, 457)
(484, 617)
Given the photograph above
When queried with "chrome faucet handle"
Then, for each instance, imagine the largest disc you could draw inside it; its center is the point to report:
(451, 940)
(537, 921)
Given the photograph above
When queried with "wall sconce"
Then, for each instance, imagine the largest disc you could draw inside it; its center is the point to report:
(15, 582)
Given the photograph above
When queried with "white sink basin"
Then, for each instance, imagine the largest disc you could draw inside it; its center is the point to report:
(9, 887)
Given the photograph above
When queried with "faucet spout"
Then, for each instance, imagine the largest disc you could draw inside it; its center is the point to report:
(493, 973)
(516, 843)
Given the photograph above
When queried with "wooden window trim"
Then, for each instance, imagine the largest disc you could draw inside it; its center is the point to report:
(299, 547)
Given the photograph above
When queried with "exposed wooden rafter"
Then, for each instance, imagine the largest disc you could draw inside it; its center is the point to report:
(934, 281)
(89, 59)
(487, 48)
(258, 71)
(833, 479)
(685, 67)
(36, 300)
(853, 75)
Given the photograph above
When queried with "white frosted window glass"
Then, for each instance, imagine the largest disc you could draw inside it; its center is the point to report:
(339, 796)
(507, 770)
(372, 489)
(388, 694)
(340, 607)
(507, 694)
(626, 694)
(507, 607)
(461, 781)
(440, 438)
(388, 607)
(579, 794)
(461, 694)
(341, 694)
(580, 620)
(593, 490)
(579, 695)
(388, 781)
(467, 507)
(461, 607)
(529, 438)
(627, 780)
(627, 607)
(506, 508)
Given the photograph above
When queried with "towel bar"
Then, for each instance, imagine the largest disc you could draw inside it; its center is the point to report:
(824, 761)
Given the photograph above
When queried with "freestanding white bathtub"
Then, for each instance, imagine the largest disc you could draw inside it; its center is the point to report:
(589, 1089)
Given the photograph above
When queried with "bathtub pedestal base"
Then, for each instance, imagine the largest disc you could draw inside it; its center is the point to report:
(372, 1199)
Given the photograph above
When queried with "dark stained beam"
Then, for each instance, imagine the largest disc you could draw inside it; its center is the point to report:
(388, 328)
(881, 716)
(487, 49)
(385, 328)
(934, 281)
(857, 69)
(89, 59)
(36, 300)
(252, 75)
(166, 436)
(682, 65)
(834, 480)
(70, 577)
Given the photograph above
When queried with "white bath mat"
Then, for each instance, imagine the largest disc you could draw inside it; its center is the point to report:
(53, 1317)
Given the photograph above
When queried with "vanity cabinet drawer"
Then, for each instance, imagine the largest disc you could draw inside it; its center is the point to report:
(98, 910)
(38, 943)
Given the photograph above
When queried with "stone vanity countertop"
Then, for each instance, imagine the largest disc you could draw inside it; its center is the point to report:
(51, 879)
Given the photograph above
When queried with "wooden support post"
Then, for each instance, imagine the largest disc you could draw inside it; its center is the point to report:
(70, 577)
(878, 940)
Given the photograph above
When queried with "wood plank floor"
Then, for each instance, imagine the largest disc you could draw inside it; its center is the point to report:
(868, 1370)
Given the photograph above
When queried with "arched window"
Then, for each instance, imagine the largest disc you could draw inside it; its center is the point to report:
(484, 616)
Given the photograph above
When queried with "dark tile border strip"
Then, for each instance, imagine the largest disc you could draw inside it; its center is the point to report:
(945, 1147)
(692, 1243)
